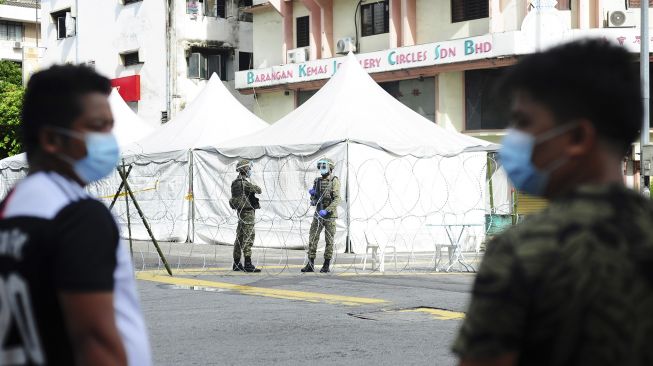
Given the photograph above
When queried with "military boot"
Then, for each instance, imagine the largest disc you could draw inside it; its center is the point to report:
(325, 266)
(237, 266)
(310, 266)
(249, 267)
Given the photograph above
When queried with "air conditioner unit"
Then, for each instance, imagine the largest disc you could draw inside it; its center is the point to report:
(620, 19)
(18, 45)
(346, 45)
(297, 55)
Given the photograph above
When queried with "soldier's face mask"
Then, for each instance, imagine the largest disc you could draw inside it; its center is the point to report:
(516, 155)
(323, 168)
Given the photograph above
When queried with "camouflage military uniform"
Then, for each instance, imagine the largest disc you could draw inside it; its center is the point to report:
(327, 198)
(241, 189)
(570, 286)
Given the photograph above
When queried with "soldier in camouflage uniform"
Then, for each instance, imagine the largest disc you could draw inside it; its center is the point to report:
(244, 201)
(572, 285)
(325, 196)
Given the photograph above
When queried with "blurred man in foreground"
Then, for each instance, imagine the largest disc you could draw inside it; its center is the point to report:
(572, 285)
(67, 289)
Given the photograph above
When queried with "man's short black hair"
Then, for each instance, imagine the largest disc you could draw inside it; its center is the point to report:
(53, 98)
(590, 79)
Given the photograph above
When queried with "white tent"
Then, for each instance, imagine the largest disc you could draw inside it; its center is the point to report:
(127, 128)
(401, 174)
(162, 166)
(214, 116)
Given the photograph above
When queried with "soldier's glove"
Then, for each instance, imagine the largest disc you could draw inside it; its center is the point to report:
(312, 191)
(323, 213)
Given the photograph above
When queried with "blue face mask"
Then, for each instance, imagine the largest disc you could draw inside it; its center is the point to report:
(102, 155)
(324, 171)
(516, 156)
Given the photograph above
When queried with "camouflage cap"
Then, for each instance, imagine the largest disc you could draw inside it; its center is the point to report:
(244, 163)
(327, 161)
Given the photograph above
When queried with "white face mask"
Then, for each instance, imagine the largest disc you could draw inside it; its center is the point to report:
(516, 156)
(102, 154)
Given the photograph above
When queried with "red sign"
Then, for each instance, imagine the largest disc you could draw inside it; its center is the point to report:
(128, 87)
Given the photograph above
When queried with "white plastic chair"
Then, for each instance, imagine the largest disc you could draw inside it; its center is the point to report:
(376, 255)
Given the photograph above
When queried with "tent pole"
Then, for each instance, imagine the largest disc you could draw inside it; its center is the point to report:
(128, 190)
(348, 241)
(190, 237)
(129, 225)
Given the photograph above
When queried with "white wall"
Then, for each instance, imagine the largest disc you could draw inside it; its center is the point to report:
(268, 39)
(107, 28)
(270, 107)
(19, 14)
(434, 23)
(104, 30)
(205, 31)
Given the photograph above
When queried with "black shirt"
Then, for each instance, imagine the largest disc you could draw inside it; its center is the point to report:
(53, 238)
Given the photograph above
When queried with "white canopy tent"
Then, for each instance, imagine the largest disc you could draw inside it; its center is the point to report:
(214, 116)
(162, 162)
(128, 127)
(401, 174)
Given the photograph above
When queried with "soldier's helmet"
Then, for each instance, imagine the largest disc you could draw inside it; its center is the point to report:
(326, 162)
(243, 165)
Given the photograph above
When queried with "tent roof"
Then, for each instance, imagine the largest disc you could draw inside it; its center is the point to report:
(212, 117)
(128, 127)
(352, 106)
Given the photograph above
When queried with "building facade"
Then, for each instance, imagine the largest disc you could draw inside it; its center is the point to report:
(159, 54)
(20, 33)
(441, 58)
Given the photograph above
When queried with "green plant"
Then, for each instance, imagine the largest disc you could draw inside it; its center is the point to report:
(11, 102)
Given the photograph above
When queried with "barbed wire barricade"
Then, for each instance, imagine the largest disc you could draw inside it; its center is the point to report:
(398, 213)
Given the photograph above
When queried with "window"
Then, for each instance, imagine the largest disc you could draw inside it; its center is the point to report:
(215, 8)
(11, 31)
(130, 58)
(304, 95)
(416, 94)
(210, 8)
(65, 23)
(375, 18)
(484, 108)
(462, 10)
(245, 60)
(303, 32)
(638, 3)
(203, 62)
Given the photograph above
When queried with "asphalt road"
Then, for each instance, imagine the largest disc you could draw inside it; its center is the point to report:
(217, 317)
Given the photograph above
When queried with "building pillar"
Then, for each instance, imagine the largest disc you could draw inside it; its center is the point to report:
(599, 13)
(316, 28)
(288, 39)
(326, 7)
(408, 23)
(395, 23)
(583, 14)
(496, 20)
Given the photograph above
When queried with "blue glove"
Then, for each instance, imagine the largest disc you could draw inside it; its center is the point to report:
(312, 191)
(323, 213)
